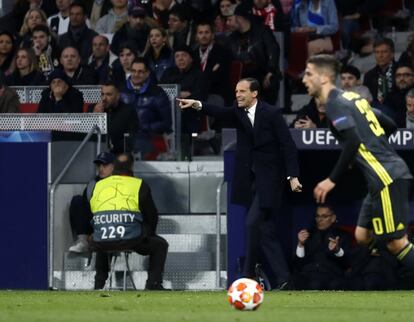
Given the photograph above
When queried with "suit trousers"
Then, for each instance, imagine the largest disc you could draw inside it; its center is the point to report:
(261, 236)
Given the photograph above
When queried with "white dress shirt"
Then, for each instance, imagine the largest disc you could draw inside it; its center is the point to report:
(251, 113)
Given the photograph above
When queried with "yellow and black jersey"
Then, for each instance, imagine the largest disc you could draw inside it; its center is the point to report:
(378, 161)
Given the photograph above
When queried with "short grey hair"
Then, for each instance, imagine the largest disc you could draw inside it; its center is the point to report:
(410, 93)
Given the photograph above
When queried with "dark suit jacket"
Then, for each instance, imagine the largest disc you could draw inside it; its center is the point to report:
(267, 150)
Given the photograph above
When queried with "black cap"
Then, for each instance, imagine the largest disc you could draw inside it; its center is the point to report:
(137, 11)
(104, 158)
(243, 11)
(59, 73)
(349, 69)
(186, 49)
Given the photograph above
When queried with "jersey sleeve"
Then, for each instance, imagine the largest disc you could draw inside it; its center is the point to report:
(339, 115)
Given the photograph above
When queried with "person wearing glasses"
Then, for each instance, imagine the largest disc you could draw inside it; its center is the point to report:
(322, 253)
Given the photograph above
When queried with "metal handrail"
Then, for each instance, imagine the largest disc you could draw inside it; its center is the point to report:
(218, 232)
(96, 130)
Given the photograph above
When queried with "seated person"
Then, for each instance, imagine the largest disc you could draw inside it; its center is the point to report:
(409, 104)
(79, 212)
(322, 254)
(137, 229)
(9, 100)
(60, 96)
(101, 59)
(121, 68)
(71, 65)
(151, 104)
(311, 116)
(26, 72)
(122, 118)
(350, 81)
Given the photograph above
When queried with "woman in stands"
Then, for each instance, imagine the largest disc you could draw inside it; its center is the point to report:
(319, 19)
(33, 18)
(6, 52)
(158, 52)
(26, 72)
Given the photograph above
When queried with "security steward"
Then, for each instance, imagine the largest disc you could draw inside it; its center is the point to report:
(125, 218)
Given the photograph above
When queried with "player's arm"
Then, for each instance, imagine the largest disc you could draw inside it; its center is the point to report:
(349, 150)
(386, 122)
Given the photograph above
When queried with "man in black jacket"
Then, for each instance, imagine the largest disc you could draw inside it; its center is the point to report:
(266, 159)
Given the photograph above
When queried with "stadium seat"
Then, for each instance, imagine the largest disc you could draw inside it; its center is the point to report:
(28, 107)
(125, 254)
(298, 54)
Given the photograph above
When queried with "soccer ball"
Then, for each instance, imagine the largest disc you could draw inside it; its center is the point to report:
(245, 294)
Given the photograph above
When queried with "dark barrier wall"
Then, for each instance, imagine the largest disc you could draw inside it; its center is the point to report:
(318, 152)
(23, 191)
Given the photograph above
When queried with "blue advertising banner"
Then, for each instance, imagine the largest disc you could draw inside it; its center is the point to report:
(24, 136)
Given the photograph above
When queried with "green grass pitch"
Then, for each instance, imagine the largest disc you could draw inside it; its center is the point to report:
(102, 306)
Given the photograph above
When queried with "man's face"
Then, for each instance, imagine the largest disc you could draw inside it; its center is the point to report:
(109, 96)
(260, 4)
(204, 35)
(225, 6)
(63, 5)
(139, 74)
(126, 57)
(105, 170)
(60, 85)
(348, 81)
(175, 24)
(312, 80)
(40, 40)
(231, 23)
(383, 55)
(404, 78)
(22, 60)
(70, 59)
(244, 96)
(77, 17)
(183, 60)
(119, 3)
(136, 23)
(325, 218)
(409, 102)
(100, 48)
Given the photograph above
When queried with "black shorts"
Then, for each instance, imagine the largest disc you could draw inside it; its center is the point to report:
(386, 212)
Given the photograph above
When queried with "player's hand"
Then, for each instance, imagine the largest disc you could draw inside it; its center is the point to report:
(184, 103)
(295, 185)
(334, 244)
(303, 236)
(322, 189)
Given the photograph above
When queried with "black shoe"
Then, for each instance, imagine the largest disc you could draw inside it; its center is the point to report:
(156, 287)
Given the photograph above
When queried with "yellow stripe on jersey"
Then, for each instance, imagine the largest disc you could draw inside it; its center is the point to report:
(405, 251)
(375, 165)
(387, 209)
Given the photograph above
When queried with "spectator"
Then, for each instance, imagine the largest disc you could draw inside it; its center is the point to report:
(71, 65)
(158, 52)
(26, 72)
(311, 116)
(151, 105)
(102, 58)
(60, 97)
(322, 254)
(13, 21)
(395, 100)
(409, 103)
(78, 35)
(80, 214)
(59, 23)
(350, 81)
(33, 18)
(179, 28)
(45, 48)
(97, 10)
(193, 83)
(380, 79)
(114, 19)
(128, 52)
(122, 118)
(6, 52)
(214, 62)
(255, 46)
(140, 233)
(161, 11)
(9, 101)
(224, 10)
(319, 19)
(272, 13)
(407, 57)
(135, 30)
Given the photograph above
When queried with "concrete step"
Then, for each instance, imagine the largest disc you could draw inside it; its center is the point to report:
(190, 224)
(200, 280)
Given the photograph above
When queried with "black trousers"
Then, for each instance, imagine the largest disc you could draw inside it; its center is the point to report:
(261, 236)
(80, 216)
(155, 246)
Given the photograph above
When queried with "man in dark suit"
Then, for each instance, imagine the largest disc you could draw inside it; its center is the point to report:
(266, 158)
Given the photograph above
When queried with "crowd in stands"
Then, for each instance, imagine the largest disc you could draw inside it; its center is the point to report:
(205, 47)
